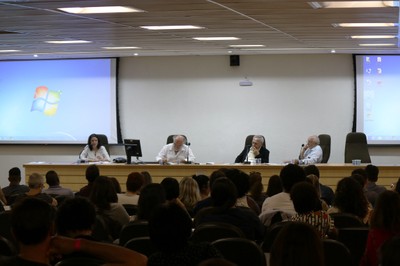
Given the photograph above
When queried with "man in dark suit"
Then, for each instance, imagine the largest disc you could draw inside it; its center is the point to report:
(255, 151)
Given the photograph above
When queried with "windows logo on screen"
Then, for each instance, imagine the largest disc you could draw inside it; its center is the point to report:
(46, 101)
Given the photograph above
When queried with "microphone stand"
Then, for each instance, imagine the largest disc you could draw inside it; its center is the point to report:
(246, 161)
(187, 154)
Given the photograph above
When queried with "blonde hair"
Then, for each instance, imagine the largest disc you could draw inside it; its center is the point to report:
(189, 192)
(35, 180)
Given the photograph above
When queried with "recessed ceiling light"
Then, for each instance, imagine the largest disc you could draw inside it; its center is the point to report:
(216, 38)
(172, 27)
(353, 4)
(99, 9)
(246, 45)
(364, 24)
(9, 51)
(333, 51)
(373, 37)
(121, 48)
(68, 42)
(377, 44)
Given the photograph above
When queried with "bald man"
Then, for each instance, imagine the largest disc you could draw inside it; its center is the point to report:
(176, 152)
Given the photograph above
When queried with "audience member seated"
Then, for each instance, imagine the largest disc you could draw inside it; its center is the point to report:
(372, 176)
(256, 188)
(134, 183)
(290, 175)
(33, 227)
(274, 186)
(350, 198)
(309, 210)
(207, 202)
(241, 180)
(170, 229)
(14, 188)
(105, 199)
(147, 178)
(189, 193)
(92, 172)
(361, 176)
(176, 152)
(297, 244)
(389, 254)
(171, 188)
(116, 184)
(384, 224)
(94, 151)
(151, 197)
(313, 180)
(224, 196)
(203, 182)
(255, 151)
(3, 200)
(327, 193)
(36, 184)
(76, 218)
(54, 186)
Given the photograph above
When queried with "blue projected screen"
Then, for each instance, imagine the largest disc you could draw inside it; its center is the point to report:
(378, 98)
(57, 101)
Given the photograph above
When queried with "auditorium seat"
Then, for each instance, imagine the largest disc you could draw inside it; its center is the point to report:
(132, 230)
(211, 231)
(104, 141)
(343, 220)
(336, 253)
(241, 251)
(142, 245)
(356, 148)
(249, 140)
(325, 143)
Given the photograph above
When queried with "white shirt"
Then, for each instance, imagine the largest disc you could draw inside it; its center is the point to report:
(128, 199)
(100, 155)
(168, 153)
(280, 201)
(312, 156)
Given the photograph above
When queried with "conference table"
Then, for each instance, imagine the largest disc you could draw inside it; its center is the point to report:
(72, 175)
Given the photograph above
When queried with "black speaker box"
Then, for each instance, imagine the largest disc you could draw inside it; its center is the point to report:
(235, 60)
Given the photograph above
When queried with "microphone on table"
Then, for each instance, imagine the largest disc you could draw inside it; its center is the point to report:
(302, 146)
(187, 155)
(246, 161)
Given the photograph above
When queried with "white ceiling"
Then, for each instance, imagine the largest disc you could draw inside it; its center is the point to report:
(291, 26)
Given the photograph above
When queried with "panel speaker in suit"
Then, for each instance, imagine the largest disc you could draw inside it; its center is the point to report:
(235, 60)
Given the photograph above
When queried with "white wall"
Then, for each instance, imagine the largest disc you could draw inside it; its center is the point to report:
(293, 96)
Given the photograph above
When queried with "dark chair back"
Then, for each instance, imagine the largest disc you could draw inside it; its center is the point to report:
(249, 140)
(270, 235)
(170, 138)
(133, 230)
(7, 248)
(325, 143)
(209, 232)
(356, 148)
(5, 227)
(355, 239)
(142, 245)
(241, 251)
(336, 253)
(342, 220)
(131, 209)
(104, 141)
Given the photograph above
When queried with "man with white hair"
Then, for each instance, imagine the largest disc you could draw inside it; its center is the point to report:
(311, 153)
(255, 151)
(176, 152)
